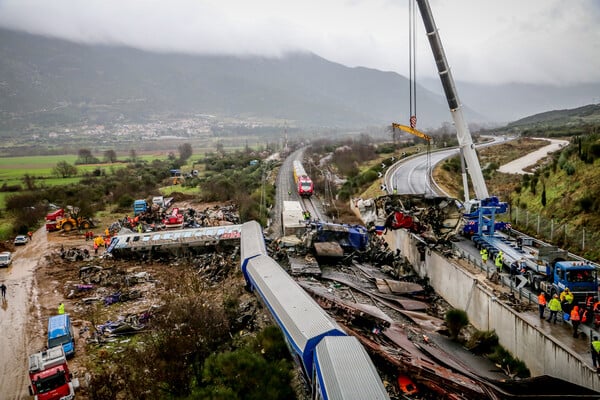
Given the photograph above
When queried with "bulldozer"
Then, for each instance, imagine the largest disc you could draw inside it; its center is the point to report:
(68, 223)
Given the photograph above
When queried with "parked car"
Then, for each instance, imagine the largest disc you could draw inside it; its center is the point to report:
(20, 240)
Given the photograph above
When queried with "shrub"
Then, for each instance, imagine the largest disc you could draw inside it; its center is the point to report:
(569, 168)
(125, 201)
(456, 320)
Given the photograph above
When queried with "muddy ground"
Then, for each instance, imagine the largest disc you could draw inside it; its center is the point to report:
(39, 279)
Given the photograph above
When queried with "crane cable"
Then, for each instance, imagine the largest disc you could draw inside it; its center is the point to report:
(412, 80)
(412, 68)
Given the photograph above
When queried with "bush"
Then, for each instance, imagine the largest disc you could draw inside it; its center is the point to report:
(125, 201)
(513, 366)
(456, 320)
(569, 168)
(483, 342)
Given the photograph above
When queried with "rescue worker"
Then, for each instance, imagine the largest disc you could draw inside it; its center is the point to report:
(484, 255)
(61, 308)
(589, 301)
(542, 303)
(554, 306)
(595, 349)
(583, 315)
(499, 261)
(575, 320)
(566, 300)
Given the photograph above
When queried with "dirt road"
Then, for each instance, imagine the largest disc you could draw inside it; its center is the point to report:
(17, 317)
(519, 165)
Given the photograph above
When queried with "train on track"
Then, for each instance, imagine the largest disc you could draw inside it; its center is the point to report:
(304, 185)
(336, 364)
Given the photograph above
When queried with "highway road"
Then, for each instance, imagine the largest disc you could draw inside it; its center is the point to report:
(412, 175)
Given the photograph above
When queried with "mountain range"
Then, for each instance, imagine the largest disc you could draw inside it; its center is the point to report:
(47, 81)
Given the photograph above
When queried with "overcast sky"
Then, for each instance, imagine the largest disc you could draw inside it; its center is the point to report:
(535, 41)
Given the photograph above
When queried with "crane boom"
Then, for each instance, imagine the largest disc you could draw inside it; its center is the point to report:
(465, 140)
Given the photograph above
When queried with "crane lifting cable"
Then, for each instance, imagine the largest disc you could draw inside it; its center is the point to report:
(412, 85)
(412, 70)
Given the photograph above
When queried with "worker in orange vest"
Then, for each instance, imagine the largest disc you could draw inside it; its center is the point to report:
(575, 320)
(542, 303)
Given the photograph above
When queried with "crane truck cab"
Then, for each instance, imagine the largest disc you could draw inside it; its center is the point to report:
(50, 377)
(580, 277)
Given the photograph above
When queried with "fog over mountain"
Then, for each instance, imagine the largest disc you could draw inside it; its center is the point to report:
(51, 81)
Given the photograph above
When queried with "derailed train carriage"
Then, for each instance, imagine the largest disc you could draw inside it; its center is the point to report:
(179, 242)
(336, 364)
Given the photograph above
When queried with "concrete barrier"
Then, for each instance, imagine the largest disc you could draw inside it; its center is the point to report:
(517, 333)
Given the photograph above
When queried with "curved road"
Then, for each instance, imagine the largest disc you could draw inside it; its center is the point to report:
(413, 174)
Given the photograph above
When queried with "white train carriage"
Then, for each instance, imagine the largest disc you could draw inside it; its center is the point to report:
(301, 319)
(343, 370)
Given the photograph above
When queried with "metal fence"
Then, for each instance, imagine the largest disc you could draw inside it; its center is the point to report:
(505, 280)
(576, 240)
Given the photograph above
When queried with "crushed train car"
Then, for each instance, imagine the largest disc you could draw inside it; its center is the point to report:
(435, 218)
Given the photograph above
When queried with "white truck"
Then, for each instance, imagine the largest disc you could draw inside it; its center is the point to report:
(5, 259)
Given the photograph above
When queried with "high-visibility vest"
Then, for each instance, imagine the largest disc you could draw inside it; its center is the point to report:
(554, 305)
(596, 345)
(499, 260)
(569, 297)
(61, 308)
(575, 315)
(589, 301)
(584, 316)
(542, 299)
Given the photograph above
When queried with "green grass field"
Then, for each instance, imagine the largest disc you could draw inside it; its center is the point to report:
(12, 170)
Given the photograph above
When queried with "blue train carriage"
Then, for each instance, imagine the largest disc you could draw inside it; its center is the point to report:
(303, 322)
(343, 370)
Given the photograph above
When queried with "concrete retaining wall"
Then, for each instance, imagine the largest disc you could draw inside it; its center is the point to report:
(517, 333)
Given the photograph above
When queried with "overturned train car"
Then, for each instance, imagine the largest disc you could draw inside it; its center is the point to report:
(336, 365)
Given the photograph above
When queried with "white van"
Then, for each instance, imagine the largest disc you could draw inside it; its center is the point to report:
(5, 259)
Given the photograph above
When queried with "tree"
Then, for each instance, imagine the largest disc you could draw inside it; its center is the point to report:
(243, 374)
(110, 156)
(85, 157)
(185, 151)
(64, 169)
(29, 181)
(543, 195)
(132, 155)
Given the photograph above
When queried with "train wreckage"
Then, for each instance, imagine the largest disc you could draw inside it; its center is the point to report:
(434, 218)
